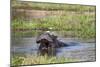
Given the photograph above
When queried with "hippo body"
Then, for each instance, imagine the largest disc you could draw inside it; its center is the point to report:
(48, 44)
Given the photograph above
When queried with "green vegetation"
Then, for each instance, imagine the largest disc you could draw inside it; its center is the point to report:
(17, 60)
(49, 6)
(82, 25)
(60, 17)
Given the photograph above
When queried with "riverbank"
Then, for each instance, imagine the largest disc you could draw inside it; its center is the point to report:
(30, 16)
(34, 60)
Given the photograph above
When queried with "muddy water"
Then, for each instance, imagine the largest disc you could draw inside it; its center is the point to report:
(83, 51)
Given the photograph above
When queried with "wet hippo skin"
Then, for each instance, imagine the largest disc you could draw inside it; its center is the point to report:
(48, 44)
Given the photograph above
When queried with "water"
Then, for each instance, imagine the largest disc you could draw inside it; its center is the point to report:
(76, 49)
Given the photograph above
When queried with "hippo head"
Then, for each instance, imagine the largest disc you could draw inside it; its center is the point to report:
(44, 38)
(45, 41)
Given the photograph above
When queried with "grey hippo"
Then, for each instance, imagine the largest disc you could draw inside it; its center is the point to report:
(48, 44)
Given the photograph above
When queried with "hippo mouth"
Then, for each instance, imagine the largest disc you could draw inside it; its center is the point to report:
(44, 43)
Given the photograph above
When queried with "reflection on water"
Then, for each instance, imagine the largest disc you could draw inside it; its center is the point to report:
(84, 51)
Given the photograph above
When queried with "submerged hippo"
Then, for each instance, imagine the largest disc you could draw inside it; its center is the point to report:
(48, 44)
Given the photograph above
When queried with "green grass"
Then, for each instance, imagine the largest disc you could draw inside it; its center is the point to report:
(56, 22)
(30, 60)
(82, 25)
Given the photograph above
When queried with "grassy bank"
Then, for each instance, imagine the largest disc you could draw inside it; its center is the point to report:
(79, 19)
(82, 25)
(16, 60)
(50, 6)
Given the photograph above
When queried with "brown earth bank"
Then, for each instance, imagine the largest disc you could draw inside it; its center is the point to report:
(30, 14)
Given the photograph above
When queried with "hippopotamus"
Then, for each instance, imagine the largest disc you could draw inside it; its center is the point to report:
(48, 44)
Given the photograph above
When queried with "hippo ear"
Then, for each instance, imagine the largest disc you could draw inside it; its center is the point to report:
(37, 41)
(54, 37)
